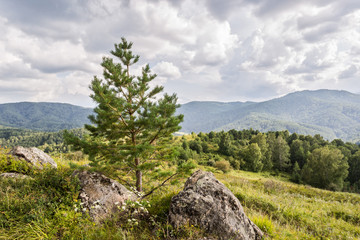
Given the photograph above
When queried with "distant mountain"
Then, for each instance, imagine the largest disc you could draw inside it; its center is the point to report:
(43, 116)
(330, 113)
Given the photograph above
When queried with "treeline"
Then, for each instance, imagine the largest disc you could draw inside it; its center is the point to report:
(307, 159)
(48, 141)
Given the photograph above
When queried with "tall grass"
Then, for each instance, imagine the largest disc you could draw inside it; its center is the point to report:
(45, 207)
(291, 211)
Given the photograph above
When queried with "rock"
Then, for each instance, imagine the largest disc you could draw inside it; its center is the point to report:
(100, 195)
(34, 156)
(207, 203)
(14, 176)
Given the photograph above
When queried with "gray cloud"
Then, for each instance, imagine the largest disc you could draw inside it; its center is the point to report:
(203, 50)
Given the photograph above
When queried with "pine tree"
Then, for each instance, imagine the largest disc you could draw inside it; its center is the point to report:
(130, 124)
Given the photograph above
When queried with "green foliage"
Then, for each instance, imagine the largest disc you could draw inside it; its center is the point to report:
(279, 152)
(297, 153)
(325, 168)
(46, 207)
(225, 146)
(130, 129)
(296, 173)
(252, 157)
(10, 164)
(354, 168)
(47, 141)
(264, 223)
(41, 207)
(223, 165)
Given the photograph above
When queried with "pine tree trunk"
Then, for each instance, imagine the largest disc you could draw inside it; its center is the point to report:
(138, 177)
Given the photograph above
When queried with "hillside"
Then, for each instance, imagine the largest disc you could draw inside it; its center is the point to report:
(43, 116)
(330, 113)
(31, 209)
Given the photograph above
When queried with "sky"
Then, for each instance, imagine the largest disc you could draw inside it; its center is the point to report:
(203, 50)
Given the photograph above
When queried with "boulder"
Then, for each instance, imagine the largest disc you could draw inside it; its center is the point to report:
(207, 203)
(34, 156)
(14, 176)
(100, 195)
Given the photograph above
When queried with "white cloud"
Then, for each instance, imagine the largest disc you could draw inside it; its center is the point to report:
(208, 49)
(167, 69)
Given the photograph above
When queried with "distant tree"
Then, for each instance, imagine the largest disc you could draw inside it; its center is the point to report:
(185, 144)
(212, 135)
(225, 146)
(297, 153)
(296, 173)
(292, 138)
(279, 153)
(252, 157)
(205, 147)
(196, 146)
(325, 168)
(354, 168)
(131, 123)
(260, 139)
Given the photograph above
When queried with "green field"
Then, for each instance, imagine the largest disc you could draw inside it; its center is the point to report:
(45, 208)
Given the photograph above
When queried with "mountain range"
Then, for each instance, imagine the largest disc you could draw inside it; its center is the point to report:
(330, 113)
(43, 116)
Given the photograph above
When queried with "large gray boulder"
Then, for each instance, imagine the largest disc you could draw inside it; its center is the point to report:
(207, 203)
(34, 156)
(100, 195)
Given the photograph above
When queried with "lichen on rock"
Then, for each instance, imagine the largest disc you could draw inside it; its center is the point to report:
(207, 203)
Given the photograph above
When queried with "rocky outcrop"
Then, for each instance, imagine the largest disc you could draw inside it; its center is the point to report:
(14, 176)
(34, 156)
(207, 203)
(100, 195)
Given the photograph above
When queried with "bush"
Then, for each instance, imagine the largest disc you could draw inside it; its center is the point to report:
(9, 164)
(223, 166)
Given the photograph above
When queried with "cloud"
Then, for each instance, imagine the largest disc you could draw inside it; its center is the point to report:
(349, 72)
(167, 70)
(203, 50)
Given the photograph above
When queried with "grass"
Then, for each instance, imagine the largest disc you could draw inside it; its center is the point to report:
(290, 211)
(44, 207)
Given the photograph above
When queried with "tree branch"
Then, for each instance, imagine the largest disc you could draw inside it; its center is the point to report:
(159, 186)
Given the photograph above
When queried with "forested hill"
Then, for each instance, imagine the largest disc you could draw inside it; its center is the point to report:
(330, 113)
(43, 116)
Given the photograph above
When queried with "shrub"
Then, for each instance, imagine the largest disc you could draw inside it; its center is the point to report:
(9, 164)
(223, 166)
